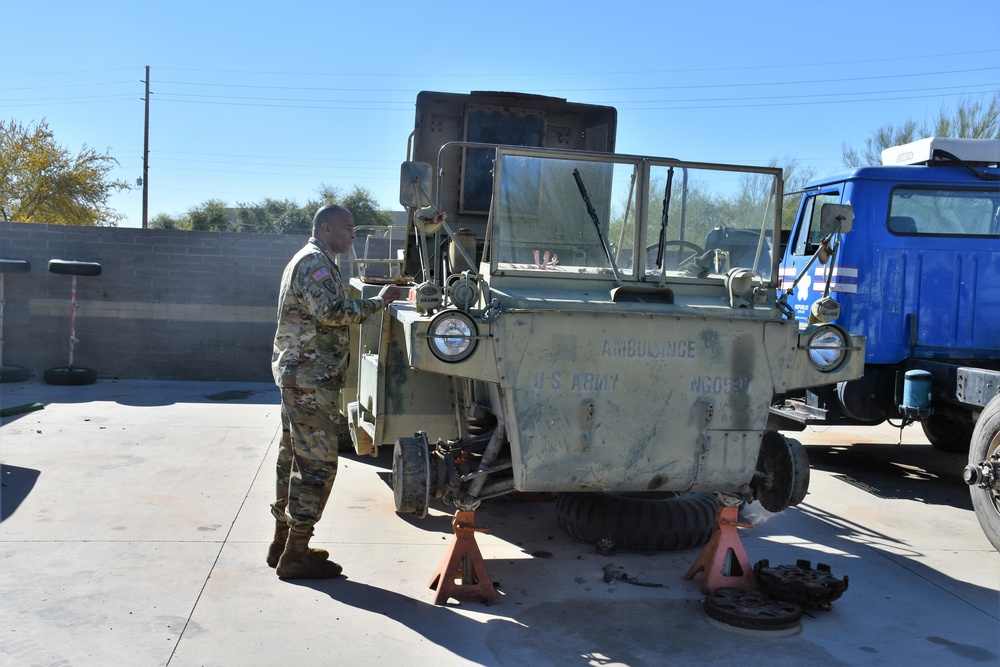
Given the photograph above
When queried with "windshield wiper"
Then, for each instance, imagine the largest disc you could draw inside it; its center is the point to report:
(664, 218)
(597, 224)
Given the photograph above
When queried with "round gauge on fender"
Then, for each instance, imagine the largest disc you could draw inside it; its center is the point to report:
(452, 336)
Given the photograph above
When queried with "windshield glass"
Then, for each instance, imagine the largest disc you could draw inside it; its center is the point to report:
(575, 215)
(543, 221)
(717, 219)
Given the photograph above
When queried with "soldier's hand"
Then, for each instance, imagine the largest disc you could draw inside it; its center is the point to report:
(390, 293)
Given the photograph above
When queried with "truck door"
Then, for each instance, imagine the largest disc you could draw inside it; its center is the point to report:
(948, 265)
(802, 245)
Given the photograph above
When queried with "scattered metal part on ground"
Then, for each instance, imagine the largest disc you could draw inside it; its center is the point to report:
(800, 583)
(611, 573)
(606, 547)
(750, 609)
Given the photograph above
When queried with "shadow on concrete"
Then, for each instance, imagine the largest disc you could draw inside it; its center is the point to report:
(907, 472)
(434, 623)
(15, 485)
(141, 393)
(597, 631)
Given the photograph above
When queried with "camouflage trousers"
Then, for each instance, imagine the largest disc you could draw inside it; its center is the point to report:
(307, 457)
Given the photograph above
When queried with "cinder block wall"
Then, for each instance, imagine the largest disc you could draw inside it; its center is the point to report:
(168, 304)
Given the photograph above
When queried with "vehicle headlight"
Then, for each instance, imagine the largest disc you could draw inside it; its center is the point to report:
(827, 348)
(452, 336)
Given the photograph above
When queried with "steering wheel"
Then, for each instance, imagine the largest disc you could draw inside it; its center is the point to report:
(652, 249)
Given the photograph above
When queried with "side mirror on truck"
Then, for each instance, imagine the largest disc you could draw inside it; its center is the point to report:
(415, 185)
(836, 218)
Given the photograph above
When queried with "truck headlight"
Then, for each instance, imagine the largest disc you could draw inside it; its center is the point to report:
(827, 348)
(452, 336)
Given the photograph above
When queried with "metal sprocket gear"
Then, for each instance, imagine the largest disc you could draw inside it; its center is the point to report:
(750, 609)
(812, 589)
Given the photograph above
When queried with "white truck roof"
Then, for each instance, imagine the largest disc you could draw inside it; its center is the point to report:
(980, 151)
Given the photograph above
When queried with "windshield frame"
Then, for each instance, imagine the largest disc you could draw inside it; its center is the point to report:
(638, 211)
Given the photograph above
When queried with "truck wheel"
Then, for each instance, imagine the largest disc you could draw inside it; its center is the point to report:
(641, 521)
(948, 433)
(986, 448)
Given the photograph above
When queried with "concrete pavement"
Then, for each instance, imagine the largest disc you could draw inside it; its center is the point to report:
(135, 524)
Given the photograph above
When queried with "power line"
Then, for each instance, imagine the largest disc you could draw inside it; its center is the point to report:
(881, 77)
(66, 100)
(788, 104)
(934, 56)
(171, 96)
(68, 85)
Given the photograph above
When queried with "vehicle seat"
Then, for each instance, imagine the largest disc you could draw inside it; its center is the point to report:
(902, 224)
(741, 244)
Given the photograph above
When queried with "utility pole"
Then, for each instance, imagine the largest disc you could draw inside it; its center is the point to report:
(145, 159)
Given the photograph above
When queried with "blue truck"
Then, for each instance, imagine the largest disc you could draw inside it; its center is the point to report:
(919, 277)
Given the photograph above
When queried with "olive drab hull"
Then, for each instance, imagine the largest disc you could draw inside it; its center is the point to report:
(662, 403)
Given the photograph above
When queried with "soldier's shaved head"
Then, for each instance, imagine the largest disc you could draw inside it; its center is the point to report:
(329, 213)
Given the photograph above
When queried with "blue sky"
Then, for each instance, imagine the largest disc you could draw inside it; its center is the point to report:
(274, 99)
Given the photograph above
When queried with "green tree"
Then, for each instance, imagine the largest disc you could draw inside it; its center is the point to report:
(164, 221)
(41, 181)
(359, 201)
(365, 209)
(274, 216)
(971, 119)
(282, 216)
(212, 216)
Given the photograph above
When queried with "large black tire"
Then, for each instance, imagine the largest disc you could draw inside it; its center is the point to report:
(73, 268)
(639, 522)
(948, 433)
(14, 374)
(985, 444)
(70, 376)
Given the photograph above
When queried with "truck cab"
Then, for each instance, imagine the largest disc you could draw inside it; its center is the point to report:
(918, 278)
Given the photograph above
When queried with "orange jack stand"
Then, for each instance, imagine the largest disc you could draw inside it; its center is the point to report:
(723, 560)
(462, 572)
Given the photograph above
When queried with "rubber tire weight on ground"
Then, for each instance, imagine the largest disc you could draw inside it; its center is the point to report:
(639, 522)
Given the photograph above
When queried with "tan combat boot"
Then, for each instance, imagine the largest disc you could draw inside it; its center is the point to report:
(298, 562)
(278, 545)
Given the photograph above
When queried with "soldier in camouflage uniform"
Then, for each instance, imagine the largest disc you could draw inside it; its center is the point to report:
(310, 360)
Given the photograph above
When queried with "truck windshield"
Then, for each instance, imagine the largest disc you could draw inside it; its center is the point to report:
(542, 222)
(718, 217)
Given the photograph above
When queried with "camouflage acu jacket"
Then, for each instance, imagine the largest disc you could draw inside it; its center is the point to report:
(312, 343)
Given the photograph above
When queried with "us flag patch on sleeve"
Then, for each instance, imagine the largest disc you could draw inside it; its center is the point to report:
(321, 274)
